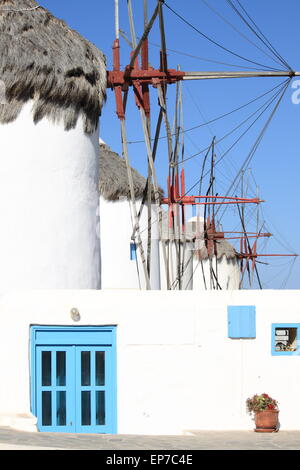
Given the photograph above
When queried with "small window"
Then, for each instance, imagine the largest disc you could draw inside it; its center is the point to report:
(132, 251)
(285, 339)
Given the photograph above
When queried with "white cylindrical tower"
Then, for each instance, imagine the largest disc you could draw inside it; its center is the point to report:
(216, 270)
(121, 266)
(176, 256)
(55, 83)
(198, 269)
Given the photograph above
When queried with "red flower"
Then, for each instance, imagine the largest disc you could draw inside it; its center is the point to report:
(260, 403)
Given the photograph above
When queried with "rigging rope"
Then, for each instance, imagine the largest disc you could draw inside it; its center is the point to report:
(258, 140)
(265, 41)
(284, 243)
(239, 32)
(289, 265)
(215, 119)
(204, 59)
(281, 92)
(213, 133)
(136, 260)
(254, 148)
(284, 283)
(275, 51)
(267, 103)
(215, 42)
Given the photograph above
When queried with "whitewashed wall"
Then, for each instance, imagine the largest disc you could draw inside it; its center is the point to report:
(177, 370)
(48, 205)
(118, 271)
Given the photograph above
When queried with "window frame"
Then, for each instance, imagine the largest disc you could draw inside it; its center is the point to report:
(285, 326)
(77, 338)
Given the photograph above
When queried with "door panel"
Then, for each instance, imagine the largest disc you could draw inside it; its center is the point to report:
(55, 376)
(94, 383)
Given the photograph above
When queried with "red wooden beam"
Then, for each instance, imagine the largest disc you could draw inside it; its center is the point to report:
(145, 77)
(191, 200)
(250, 256)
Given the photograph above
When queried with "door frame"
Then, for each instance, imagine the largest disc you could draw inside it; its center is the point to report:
(42, 335)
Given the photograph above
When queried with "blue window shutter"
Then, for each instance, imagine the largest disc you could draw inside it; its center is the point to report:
(133, 251)
(241, 321)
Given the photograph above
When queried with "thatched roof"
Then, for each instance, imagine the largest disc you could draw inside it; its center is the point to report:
(113, 183)
(41, 58)
(222, 247)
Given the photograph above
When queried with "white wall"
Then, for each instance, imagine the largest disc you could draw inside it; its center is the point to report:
(118, 271)
(48, 205)
(177, 370)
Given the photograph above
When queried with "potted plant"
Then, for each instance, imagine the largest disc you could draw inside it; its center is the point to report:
(265, 411)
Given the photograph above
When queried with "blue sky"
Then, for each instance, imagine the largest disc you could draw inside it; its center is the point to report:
(274, 169)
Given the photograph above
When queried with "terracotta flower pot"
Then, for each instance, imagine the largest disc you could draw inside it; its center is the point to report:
(266, 421)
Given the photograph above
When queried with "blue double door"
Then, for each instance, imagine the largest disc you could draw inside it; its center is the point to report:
(75, 384)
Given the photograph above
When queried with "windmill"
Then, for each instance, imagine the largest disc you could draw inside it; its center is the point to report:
(142, 77)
